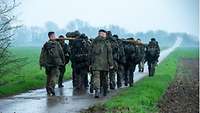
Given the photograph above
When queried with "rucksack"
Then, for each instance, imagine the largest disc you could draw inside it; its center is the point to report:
(51, 52)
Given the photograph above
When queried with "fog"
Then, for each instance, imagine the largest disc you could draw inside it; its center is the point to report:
(133, 15)
(161, 19)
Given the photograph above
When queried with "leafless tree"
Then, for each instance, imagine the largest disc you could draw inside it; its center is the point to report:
(8, 62)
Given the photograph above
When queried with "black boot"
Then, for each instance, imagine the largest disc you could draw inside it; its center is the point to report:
(97, 94)
(60, 85)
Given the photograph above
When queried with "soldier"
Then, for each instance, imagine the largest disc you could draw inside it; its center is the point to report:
(120, 61)
(141, 54)
(101, 62)
(51, 58)
(152, 55)
(115, 50)
(80, 62)
(87, 48)
(66, 54)
(130, 52)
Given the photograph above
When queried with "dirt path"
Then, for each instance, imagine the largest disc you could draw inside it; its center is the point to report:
(182, 96)
(37, 101)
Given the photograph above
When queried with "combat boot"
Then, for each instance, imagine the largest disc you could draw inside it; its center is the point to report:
(52, 91)
(60, 86)
(97, 94)
(91, 89)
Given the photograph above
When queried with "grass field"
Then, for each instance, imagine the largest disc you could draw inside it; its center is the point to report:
(143, 97)
(29, 77)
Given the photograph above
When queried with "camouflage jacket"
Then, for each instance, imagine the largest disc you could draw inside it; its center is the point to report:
(152, 51)
(101, 54)
(52, 54)
(79, 53)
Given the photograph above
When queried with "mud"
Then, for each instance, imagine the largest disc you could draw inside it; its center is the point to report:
(182, 96)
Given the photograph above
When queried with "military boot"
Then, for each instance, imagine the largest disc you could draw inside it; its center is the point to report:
(91, 89)
(97, 94)
(52, 91)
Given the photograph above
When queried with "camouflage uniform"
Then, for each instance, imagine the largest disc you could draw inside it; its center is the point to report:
(130, 52)
(51, 58)
(101, 60)
(62, 68)
(80, 63)
(121, 62)
(142, 54)
(152, 55)
(115, 51)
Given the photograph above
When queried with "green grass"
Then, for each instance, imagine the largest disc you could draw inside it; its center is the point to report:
(29, 77)
(144, 96)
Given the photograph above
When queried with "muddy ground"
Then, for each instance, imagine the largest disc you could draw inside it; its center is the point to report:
(182, 96)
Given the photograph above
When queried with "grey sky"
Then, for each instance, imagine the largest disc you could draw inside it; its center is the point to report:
(133, 15)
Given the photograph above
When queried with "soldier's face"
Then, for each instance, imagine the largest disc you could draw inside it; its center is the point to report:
(102, 34)
(53, 36)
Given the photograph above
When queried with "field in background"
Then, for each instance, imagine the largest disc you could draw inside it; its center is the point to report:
(145, 94)
(29, 77)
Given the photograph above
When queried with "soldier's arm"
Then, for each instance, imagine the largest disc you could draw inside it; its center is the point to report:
(110, 57)
(42, 57)
(61, 53)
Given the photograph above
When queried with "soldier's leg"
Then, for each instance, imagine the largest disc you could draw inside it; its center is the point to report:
(54, 73)
(112, 79)
(104, 79)
(149, 67)
(142, 65)
(96, 78)
(60, 79)
(91, 82)
(139, 67)
(85, 74)
(126, 73)
(120, 74)
(131, 74)
(154, 67)
(75, 78)
(47, 71)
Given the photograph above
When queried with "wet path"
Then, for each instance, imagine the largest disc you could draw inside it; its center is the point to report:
(36, 101)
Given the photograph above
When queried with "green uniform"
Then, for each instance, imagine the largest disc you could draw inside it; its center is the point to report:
(152, 55)
(142, 57)
(101, 60)
(115, 53)
(51, 58)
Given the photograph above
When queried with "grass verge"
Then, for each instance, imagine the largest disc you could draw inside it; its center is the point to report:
(144, 96)
(29, 77)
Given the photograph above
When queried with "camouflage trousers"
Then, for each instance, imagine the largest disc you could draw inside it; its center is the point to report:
(79, 76)
(151, 67)
(112, 78)
(62, 72)
(120, 75)
(52, 74)
(100, 80)
(141, 66)
(129, 75)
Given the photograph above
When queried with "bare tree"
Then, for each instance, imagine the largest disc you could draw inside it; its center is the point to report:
(7, 29)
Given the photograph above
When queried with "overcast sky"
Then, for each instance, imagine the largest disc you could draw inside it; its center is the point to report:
(133, 15)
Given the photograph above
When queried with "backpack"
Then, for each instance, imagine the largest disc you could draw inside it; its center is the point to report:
(79, 51)
(52, 53)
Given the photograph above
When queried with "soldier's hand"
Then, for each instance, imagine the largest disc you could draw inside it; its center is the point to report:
(90, 68)
(111, 67)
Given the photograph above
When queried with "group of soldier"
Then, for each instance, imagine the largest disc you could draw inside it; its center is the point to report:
(103, 59)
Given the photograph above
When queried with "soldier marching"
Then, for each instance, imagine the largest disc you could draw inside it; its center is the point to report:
(109, 60)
